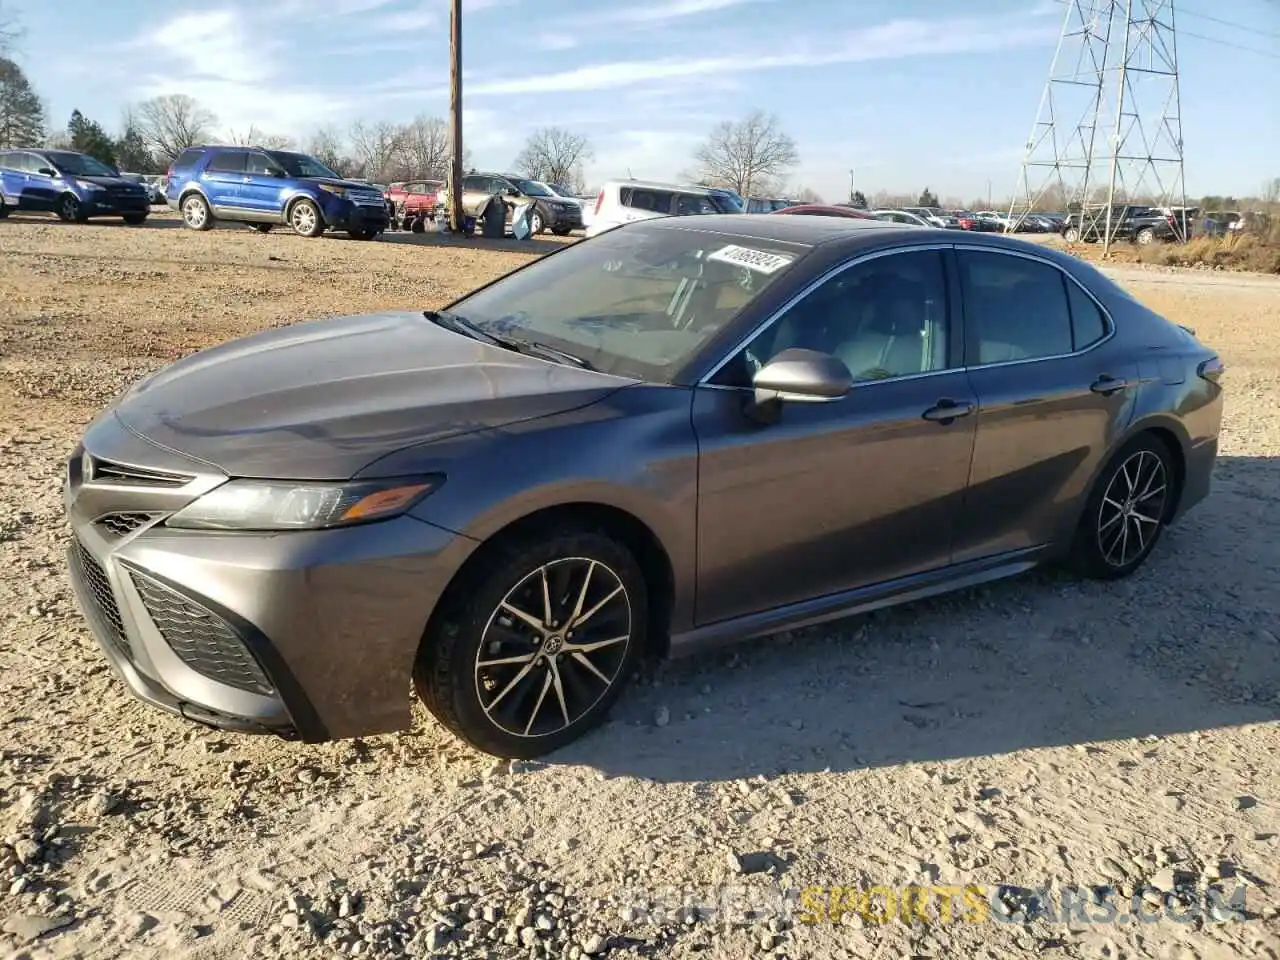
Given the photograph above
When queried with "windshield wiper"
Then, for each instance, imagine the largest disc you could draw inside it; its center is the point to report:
(460, 324)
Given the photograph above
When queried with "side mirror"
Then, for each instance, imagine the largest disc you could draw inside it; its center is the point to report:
(47, 171)
(797, 376)
(512, 192)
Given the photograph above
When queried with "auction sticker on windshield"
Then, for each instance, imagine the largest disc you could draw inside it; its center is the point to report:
(757, 260)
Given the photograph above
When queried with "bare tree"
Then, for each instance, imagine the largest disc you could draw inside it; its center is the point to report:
(253, 137)
(10, 32)
(376, 147)
(752, 155)
(806, 195)
(555, 155)
(173, 122)
(424, 148)
(326, 145)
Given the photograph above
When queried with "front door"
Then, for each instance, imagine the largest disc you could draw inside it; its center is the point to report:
(844, 493)
(40, 192)
(1053, 396)
(262, 186)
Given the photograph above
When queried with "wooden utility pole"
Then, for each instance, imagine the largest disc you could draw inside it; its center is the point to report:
(456, 215)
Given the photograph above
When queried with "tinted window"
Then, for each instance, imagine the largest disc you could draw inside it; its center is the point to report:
(883, 318)
(1087, 323)
(688, 205)
(1016, 308)
(228, 161)
(301, 165)
(655, 201)
(480, 184)
(187, 158)
(260, 164)
(78, 164)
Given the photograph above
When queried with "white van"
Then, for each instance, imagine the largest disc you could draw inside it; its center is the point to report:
(624, 201)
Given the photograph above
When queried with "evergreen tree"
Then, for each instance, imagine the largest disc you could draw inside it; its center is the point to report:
(132, 153)
(21, 112)
(87, 136)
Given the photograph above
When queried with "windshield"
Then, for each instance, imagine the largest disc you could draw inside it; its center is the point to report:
(637, 302)
(532, 188)
(300, 165)
(727, 203)
(79, 165)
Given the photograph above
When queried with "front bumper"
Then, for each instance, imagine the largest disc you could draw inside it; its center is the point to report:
(352, 216)
(106, 205)
(565, 219)
(308, 635)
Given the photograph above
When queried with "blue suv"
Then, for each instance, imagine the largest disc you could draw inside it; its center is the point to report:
(265, 188)
(72, 185)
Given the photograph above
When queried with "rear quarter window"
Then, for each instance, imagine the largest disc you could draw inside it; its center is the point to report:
(188, 158)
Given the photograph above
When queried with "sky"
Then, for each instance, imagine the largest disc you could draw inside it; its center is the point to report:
(906, 94)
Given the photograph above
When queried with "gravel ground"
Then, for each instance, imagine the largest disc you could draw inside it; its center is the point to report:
(1042, 734)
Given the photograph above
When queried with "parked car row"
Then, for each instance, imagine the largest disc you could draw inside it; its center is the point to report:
(71, 185)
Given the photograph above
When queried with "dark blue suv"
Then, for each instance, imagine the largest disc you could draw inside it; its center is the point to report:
(264, 188)
(72, 185)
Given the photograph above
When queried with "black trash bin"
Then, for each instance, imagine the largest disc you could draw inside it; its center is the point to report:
(495, 219)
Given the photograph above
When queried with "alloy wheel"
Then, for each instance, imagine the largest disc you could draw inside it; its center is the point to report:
(304, 218)
(553, 647)
(1132, 509)
(194, 212)
(70, 208)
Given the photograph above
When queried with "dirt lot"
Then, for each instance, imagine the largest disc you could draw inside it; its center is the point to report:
(1035, 733)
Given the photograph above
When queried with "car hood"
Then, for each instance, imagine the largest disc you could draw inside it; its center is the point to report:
(321, 400)
(106, 181)
(345, 184)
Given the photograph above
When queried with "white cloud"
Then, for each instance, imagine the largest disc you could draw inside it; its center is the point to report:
(663, 12)
(897, 39)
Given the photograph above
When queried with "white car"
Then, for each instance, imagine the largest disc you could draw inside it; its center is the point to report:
(999, 219)
(625, 201)
(901, 216)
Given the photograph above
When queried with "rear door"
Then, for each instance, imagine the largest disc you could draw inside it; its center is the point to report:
(223, 177)
(1054, 393)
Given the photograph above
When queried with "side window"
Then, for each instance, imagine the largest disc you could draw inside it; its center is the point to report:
(261, 165)
(1015, 308)
(688, 205)
(187, 158)
(474, 183)
(887, 317)
(228, 161)
(1087, 323)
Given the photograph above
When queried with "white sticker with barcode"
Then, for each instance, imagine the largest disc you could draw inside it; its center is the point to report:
(757, 260)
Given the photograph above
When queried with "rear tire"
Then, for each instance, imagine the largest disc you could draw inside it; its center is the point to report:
(1071, 235)
(262, 227)
(562, 672)
(560, 231)
(196, 213)
(1127, 510)
(1146, 236)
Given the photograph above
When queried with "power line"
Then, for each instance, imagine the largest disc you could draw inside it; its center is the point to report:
(1184, 12)
(1226, 23)
(1228, 43)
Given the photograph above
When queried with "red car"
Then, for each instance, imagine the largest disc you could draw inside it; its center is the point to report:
(414, 200)
(822, 210)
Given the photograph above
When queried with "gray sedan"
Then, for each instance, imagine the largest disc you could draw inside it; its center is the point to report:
(682, 432)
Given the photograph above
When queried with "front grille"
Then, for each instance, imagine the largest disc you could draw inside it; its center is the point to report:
(123, 524)
(202, 640)
(111, 472)
(367, 199)
(103, 599)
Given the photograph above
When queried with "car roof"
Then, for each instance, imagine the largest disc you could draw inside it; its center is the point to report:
(659, 185)
(844, 235)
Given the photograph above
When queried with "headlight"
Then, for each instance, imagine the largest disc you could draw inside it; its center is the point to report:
(330, 188)
(294, 505)
(87, 185)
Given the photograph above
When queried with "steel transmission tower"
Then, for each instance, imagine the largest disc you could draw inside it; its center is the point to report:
(1109, 129)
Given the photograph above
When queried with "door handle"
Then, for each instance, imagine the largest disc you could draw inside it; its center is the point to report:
(946, 410)
(246, 179)
(1106, 384)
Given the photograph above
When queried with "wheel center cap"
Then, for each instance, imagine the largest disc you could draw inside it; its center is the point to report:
(553, 644)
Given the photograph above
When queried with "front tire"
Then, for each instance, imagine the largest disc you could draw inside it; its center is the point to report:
(1128, 508)
(1071, 235)
(364, 233)
(538, 647)
(1146, 236)
(262, 227)
(70, 209)
(305, 218)
(135, 219)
